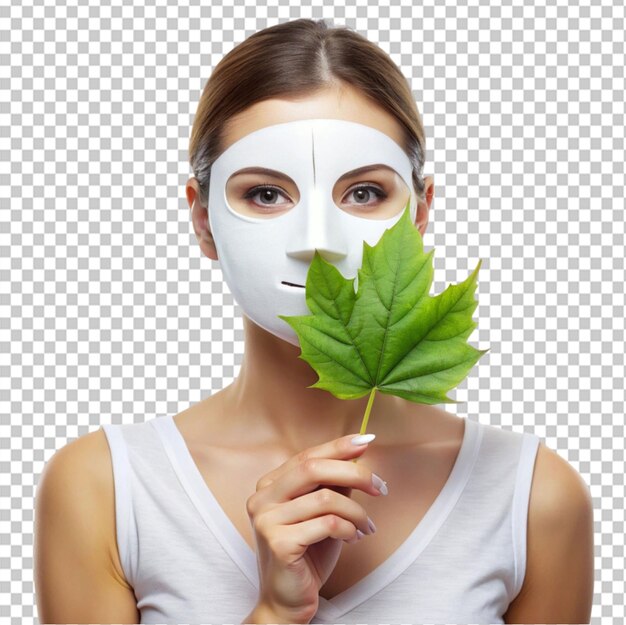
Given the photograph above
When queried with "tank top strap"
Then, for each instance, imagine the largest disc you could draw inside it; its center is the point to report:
(521, 497)
(124, 520)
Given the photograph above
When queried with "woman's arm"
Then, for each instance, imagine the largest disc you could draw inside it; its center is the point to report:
(558, 585)
(75, 579)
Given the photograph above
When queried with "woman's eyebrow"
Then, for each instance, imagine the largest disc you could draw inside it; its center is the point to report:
(263, 170)
(277, 174)
(364, 170)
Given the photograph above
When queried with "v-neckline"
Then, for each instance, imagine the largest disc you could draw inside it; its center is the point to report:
(240, 552)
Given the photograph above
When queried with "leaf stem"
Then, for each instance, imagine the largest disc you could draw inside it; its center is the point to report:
(366, 416)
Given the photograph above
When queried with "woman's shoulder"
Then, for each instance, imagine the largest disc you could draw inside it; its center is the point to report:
(558, 583)
(86, 458)
(83, 468)
(75, 537)
(559, 493)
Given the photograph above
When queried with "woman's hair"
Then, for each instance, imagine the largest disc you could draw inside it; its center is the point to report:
(296, 58)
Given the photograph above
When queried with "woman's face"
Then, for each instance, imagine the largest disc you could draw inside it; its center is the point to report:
(322, 173)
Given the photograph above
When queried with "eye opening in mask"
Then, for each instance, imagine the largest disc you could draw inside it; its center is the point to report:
(386, 192)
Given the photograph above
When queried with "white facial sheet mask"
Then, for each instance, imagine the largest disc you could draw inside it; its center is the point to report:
(257, 253)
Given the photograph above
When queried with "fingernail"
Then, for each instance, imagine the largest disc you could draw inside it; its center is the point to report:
(363, 439)
(371, 525)
(379, 484)
(360, 534)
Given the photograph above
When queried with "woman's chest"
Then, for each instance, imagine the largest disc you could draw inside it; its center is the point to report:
(413, 485)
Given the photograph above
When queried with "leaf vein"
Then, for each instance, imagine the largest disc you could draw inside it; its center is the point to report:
(423, 375)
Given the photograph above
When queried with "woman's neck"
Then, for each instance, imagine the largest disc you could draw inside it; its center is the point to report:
(269, 402)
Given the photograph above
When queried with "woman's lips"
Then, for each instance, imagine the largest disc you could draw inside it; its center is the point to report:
(292, 284)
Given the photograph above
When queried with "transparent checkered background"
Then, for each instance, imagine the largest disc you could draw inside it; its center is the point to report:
(110, 313)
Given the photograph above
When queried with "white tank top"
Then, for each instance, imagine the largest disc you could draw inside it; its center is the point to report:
(187, 563)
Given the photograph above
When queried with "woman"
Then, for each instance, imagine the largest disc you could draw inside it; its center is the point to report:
(247, 505)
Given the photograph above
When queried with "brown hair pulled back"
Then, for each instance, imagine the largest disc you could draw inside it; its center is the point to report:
(297, 58)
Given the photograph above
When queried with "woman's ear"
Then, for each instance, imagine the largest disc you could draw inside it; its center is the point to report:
(200, 219)
(423, 206)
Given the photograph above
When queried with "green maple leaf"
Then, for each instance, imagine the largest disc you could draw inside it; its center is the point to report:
(390, 335)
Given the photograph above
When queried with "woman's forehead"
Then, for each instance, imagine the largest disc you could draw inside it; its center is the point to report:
(310, 138)
(341, 103)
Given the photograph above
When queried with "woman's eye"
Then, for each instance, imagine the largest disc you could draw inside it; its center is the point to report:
(268, 194)
(364, 193)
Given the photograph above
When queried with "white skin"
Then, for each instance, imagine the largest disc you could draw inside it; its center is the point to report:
(269, 401)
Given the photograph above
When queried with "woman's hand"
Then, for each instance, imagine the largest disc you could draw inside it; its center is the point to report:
(299, 531)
